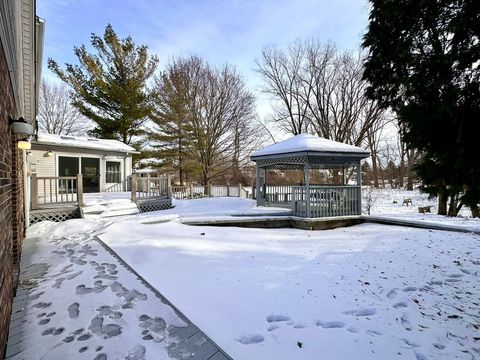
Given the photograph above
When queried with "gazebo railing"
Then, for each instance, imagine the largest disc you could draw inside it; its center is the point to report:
(326, 201)
(278, 195)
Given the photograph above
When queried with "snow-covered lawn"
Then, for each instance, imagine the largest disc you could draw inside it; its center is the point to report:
(363, 292)
(388, 202)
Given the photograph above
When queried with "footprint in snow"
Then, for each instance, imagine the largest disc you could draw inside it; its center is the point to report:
(330, 324)
(435, 282)
(73, 310)
(137, 353)
(410, 343)
(273, 327)
(410, 288)
(455, 275)
(401, 304)
(420, 356)
(250, 339)
(405, 322)
(352, 329)
(299, 326)
(277, 318)
(392, 293)
(468, 271)
(374, 333)
(361, 312)
(42, 305)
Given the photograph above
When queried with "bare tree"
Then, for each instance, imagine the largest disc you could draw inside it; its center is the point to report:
(56, 114)
(283, 75)
(318, 89)
(370, 197)
(217, 116)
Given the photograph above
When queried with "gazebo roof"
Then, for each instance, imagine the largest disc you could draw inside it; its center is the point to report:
(311, 144)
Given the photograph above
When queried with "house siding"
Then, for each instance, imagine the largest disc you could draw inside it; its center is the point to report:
(43, 165)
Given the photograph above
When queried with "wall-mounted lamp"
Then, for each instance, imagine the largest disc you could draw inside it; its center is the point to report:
(24, 144)
(50, 153)
(20, 126)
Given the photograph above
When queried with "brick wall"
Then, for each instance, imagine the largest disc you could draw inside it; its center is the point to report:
(18, 211)
(10, 192)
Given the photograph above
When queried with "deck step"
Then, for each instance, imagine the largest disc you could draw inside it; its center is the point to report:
(105, 209)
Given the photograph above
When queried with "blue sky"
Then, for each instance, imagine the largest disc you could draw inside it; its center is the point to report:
(220, 31)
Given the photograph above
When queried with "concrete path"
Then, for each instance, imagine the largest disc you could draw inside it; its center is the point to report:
(77, 300)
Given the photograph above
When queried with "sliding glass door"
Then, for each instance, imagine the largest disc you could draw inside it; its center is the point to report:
(91, 174)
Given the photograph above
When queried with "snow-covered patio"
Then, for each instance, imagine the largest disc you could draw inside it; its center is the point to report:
(365, 292)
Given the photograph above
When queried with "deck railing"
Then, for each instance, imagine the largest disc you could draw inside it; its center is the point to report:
(48, 191)
(326, 201)
(124, 185)
(144, 188)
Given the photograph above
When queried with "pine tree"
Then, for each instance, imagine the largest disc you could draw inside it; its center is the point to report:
(172, 136)
(109, 87)
(423, 63)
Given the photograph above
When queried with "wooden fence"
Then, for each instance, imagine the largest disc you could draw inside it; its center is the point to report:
(198, 191)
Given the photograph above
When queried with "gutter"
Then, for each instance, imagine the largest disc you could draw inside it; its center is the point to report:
(84, 148)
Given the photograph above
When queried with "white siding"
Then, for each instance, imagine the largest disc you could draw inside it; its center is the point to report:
(41, 164)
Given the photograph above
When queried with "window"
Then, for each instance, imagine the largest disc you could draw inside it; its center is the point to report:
(113, 172)
(68, 166)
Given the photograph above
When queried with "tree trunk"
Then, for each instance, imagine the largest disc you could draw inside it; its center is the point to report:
(205, 183)
(410, 159)
(401, 170)
(442, 202)
(401, 174)
(180, 161)
(452, 206)
(375, 171)
(373, 152)
(475, 211)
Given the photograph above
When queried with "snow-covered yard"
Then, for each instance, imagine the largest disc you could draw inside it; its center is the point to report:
(389, 203)
(364, 292)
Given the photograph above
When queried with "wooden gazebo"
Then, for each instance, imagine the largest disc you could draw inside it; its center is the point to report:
(330, 171)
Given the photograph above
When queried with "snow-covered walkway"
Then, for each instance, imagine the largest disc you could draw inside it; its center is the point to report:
(76, 300)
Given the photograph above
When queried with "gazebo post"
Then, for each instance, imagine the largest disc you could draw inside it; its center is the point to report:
(258, 194)
(306, 174)
(359, 184)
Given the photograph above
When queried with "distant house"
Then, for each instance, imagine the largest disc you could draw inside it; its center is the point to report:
(101, 162)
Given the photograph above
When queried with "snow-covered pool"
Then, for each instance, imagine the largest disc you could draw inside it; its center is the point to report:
(363, 292)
